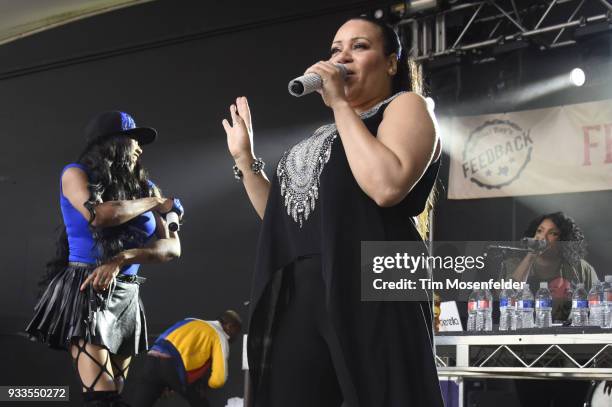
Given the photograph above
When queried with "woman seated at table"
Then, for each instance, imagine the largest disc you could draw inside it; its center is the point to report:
(561, 263)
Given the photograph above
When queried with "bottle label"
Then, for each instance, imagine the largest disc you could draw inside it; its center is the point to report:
(472, 305)
(526, 303)
(543, 304)
(483, 304)
(503, 302)
(594, 302)
(580, 304)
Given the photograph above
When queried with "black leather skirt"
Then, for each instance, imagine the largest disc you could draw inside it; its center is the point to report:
(114, 319)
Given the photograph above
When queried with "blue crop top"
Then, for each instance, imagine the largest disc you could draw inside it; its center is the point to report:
(81, 243)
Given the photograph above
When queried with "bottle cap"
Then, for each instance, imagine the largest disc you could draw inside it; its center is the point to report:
(543, 284)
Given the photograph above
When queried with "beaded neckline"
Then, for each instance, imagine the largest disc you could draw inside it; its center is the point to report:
(299, 169)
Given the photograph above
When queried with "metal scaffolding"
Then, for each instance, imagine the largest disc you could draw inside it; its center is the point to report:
(477, 27)
(556, 354)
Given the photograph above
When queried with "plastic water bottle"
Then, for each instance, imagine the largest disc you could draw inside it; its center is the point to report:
(506, 308)
(472, 307)
(516, 312)
(481, 306)
(485, 307)
(596, 305)
(580, 307)
(517, 316)
(607, 302)
(543, 305)
(525, 308)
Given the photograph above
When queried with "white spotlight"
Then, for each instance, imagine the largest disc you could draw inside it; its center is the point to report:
(378, 14)
(577, 77)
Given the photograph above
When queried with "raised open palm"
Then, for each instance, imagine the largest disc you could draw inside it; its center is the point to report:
(240, 132)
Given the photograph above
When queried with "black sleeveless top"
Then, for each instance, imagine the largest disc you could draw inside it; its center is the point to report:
(315, 206)
(293, 215)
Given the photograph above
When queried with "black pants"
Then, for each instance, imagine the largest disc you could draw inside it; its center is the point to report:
(302, 372)
(160, 374)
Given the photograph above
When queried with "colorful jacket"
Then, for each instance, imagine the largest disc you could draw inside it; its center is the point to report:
(197, 346)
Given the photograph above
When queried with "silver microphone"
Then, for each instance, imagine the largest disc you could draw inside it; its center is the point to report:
(310, 82)
(527, 244)
(173, 221)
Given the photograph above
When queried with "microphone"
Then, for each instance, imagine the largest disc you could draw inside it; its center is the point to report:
(528, 244)
(173, 221)
(310, 82)
(534, 244)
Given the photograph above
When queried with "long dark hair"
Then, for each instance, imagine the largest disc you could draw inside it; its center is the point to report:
(110, 179)
(409, 75)
(573, 244)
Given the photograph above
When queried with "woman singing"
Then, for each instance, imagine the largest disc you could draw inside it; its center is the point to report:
(111, 212)
(366, 176)
(561, 264)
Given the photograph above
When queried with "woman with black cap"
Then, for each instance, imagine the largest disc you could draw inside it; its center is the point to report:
(364, 177)
(112, 212)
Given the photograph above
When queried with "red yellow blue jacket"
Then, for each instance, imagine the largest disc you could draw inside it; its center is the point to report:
(197, 346)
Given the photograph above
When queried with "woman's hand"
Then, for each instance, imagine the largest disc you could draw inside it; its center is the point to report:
(240, 133)
(165, 205)
(240, 145)
(102, 276)
(333, 83)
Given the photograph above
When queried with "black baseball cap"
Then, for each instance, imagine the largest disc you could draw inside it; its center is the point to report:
(114, 123)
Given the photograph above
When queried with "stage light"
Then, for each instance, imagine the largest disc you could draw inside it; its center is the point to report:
(417, 6)
(577, 77)
(408, 8)
(379, 13)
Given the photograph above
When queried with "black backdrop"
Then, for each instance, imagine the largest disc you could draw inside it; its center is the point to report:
(176, 66)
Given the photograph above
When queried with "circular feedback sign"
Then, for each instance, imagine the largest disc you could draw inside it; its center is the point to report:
(496, 153)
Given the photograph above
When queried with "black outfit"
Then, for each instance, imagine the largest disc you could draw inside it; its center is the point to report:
(302, 341)
(160, 374)
(381, 352)
(114, 319)
(65, 312)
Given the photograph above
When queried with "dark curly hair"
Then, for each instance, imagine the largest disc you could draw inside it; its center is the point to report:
(110, 179)
(573, 247)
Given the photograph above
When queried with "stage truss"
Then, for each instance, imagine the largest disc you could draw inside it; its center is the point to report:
(552, 356)
(482, 29)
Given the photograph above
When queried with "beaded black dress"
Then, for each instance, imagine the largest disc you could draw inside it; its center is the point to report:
(315, 206)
